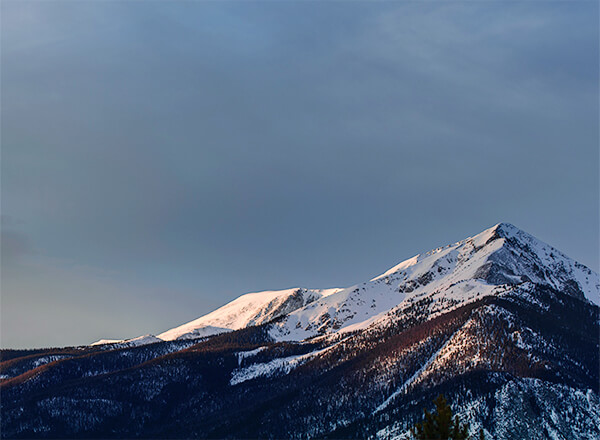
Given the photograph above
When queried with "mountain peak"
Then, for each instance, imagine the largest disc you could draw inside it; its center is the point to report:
(500, 259)
(499, 230)
(506, 228)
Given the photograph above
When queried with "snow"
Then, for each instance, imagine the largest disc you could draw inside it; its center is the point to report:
(134, 342)
(275, 366)
(265, 369)
(560, 265)
(249, 309)
(142, 340)
(248, 354)
(200, 332)
(403, 265)
(106, 341)
(349, 308)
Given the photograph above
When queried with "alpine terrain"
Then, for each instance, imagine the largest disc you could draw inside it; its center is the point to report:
(503, 325)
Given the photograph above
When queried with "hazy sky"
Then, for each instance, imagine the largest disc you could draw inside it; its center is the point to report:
(161, 158)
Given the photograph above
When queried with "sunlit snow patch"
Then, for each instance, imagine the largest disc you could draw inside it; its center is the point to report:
(271, 368)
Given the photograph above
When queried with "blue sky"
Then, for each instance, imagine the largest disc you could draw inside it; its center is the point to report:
(161, 158)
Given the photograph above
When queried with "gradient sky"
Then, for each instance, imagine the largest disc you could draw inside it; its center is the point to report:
(161, 158)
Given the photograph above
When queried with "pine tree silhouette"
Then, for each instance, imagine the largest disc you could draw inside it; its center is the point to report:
(439, 425)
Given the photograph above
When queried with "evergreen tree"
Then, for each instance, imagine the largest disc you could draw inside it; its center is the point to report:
(439, 425)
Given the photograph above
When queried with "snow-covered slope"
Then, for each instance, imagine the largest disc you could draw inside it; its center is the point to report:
(134, 342)
(106, 342)
(250, 309)
(494, 262)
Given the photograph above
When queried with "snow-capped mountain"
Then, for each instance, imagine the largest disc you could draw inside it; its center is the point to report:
(493, 262)
(506, 326)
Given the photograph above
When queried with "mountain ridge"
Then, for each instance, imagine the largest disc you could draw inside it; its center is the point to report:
(499, 323)
(511, 257)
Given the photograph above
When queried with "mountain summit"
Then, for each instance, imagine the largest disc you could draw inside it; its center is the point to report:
(500, 259)
(500, 323)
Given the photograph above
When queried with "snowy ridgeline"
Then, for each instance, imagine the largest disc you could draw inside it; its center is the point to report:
(497, 260)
